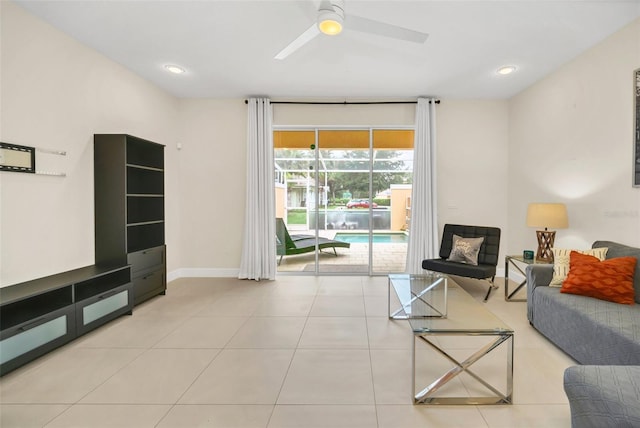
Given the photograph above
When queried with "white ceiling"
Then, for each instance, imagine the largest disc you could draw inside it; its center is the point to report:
(227, 47)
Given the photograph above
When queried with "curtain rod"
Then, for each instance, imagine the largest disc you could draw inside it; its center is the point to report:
(345, 102)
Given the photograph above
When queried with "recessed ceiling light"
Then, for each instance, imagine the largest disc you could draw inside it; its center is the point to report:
(174, 69)
(507, 69)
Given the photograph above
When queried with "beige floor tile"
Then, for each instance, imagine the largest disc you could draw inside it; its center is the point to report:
(172, 307)
(269, 332)
(66, 378)
(328, 377)
(203, 332)
(376, 306)
(29, 415)
(291, 306)
(110, 416)
(340, 286)
(241, 376)
(159, 376)
(389, 334)
(338, 306)
(297, 286)
(341, 369)
(217, 416)
(230, 306)
(375, 286)
(133, 331)
(527, 416)
(538, 376)
(410, 416)
(334, 333)
(319, 416)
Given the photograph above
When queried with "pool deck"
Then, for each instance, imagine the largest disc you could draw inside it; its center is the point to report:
(387, 257)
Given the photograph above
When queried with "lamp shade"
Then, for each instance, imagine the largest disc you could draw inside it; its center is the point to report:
(545, 215)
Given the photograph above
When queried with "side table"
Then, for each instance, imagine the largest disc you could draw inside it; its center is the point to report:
(513, 261)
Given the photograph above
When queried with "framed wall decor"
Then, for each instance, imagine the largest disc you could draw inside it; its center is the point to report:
(636, 133)
(16, 158)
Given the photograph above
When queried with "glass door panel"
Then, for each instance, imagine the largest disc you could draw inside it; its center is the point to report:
(295, 183)
(343, 177)
(346, 187)
(391, 180)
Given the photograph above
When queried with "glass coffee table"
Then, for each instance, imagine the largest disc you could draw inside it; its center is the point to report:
(420, 296)
(463, 317)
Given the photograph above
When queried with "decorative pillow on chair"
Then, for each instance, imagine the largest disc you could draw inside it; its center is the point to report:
(465, 250)
(610, 279)
(561, 262)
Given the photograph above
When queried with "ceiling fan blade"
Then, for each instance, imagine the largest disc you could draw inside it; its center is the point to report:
(370, 26)
(302, 39)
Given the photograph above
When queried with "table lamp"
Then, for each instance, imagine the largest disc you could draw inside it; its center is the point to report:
(548, 216)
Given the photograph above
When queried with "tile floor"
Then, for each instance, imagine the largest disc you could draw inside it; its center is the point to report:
(295, 352)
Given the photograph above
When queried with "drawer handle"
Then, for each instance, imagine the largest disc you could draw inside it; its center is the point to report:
(33, 324)
(108, 294)
(148, 276)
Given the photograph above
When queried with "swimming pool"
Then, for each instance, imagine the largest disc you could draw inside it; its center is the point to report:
(378, 238)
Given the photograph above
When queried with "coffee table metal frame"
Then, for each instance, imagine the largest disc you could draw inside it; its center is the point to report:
(417, 290)
(426, 327)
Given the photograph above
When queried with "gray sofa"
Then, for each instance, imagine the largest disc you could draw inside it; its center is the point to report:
(595, 333)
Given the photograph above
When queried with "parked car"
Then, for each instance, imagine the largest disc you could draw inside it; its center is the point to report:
(360, 203)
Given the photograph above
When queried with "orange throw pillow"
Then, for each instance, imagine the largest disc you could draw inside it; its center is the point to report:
(610, 280)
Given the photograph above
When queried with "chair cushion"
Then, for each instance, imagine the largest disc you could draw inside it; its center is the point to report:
(481, 271)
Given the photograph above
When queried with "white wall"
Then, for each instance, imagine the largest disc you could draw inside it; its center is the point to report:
(212, 180)
(570, 140)
(56, 93)
(472, 138)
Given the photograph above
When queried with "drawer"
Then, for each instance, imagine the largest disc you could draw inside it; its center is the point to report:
(93, 312)
(146, 259)
(148, 285)
(29, 340)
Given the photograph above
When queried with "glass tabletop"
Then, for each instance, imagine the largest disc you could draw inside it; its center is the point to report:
(464, 315)
(419, 295)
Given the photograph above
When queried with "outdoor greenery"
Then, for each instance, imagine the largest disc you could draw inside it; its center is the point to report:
(297, 216)
(348, 170)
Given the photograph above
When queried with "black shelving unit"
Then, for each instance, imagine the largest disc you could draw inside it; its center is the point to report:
(129, 209)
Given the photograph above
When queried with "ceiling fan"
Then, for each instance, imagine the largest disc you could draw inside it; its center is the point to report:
(332, 19)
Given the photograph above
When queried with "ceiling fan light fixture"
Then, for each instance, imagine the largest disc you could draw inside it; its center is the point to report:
(330, 22)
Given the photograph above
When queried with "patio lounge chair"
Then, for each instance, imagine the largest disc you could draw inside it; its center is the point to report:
(300, 244)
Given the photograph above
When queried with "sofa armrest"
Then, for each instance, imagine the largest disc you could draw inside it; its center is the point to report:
(538, 275)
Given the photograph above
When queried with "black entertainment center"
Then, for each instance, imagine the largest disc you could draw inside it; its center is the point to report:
(40, 315)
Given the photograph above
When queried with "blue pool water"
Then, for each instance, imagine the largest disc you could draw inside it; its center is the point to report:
(378, 238)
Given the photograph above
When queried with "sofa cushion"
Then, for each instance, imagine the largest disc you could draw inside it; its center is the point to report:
(620, 250)
(610, 280)
(592, 331)
(561, 262)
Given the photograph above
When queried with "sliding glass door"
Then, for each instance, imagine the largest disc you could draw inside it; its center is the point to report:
(341, 199)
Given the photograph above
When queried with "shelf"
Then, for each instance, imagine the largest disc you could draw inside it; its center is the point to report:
(144, 181)
(144, 153)
(144, 236)
(144, 209)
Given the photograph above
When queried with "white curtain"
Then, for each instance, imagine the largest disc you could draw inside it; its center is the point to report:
(259, 244)
(423, 228)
